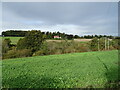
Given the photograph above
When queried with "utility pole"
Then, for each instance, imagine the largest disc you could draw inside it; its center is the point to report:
(108, 43)
(105, 43)
(98, 45)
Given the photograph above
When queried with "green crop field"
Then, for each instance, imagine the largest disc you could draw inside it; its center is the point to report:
(14, 40)
(75, 70)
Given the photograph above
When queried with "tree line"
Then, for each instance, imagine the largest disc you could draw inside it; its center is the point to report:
(50, 35)
(34, 44)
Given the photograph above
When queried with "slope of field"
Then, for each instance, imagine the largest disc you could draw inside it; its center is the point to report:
(77, 70)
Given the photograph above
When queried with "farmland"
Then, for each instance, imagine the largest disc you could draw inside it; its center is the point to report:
(76, 40)
(14, 40)
(75, 70)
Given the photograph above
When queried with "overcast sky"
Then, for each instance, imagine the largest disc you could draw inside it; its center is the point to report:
(81, 18)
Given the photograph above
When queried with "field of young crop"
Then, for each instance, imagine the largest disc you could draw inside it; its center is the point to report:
(14, 40)
(75, 70)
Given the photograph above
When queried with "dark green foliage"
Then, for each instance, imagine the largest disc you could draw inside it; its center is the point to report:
(116, 43)
(69, 37)
(96, 36)
(76, 36)
(21, 44)
(43, 50)
(14, 33)
(25, 47)
(94, 44)
(50, 35)
(88, 36)
(33, 40)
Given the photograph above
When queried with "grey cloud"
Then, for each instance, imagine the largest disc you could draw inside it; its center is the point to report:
(97, 17)
(59, 12)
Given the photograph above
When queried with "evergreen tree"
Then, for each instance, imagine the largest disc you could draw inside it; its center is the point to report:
(33, 40)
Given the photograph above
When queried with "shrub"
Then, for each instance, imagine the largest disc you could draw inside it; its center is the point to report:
(17, 53)
(94, 44)
(6, 45)
(116, 43)
(66, 47)
(43, 50)
(9, 54)
(52, 47)
(21, 44)
(102, 43)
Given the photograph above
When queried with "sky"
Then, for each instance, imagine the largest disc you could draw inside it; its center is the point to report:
(78, 18)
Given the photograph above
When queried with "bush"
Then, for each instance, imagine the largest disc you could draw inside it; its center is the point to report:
(6, 45)
(66, 47)
(17, 53)
(21, 44)
(43, 50)
(94, 44)
(102, 43)
(116, 43)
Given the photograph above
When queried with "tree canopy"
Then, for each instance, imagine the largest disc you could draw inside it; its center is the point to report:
(33, 40)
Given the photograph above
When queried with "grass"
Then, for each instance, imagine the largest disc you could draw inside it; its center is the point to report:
(14, 40)
(75, 70)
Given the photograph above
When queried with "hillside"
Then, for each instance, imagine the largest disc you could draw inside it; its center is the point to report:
(76, 70)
